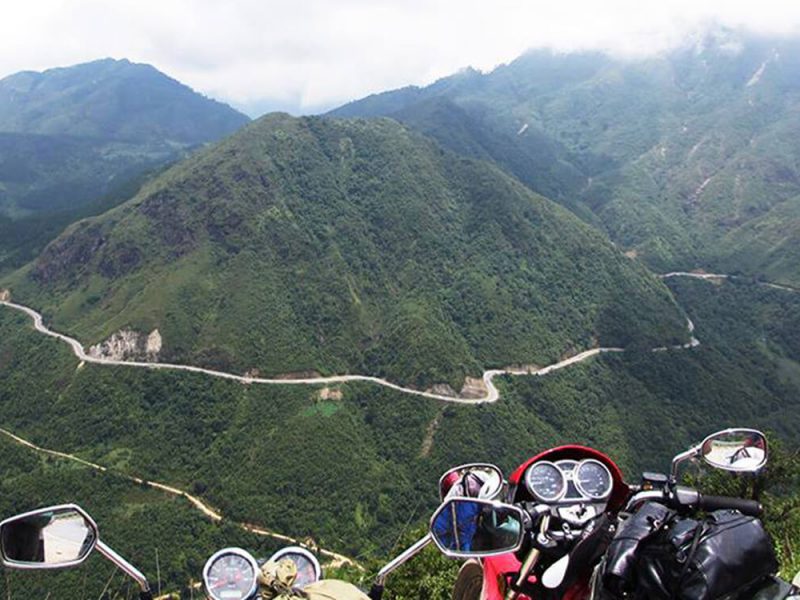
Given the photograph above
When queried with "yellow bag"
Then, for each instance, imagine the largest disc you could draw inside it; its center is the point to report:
(276, 580)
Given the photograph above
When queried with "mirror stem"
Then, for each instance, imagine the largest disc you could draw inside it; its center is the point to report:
(403, 558)
(124, 566)
(682, 458)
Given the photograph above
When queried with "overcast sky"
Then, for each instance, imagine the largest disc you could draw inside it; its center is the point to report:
(306, 55)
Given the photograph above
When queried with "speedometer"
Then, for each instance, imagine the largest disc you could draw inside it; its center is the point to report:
(546, 481)
(230, 575)
(593, 479)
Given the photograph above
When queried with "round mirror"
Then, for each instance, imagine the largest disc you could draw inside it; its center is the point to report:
(476, 480)
(53, 537)
(743, 450)
(463, 528)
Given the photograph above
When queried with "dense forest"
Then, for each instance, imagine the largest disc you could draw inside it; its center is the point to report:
(338, 247)
(686, 158)
(266, 454)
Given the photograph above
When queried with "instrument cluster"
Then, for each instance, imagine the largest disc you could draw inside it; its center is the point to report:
(569, 481)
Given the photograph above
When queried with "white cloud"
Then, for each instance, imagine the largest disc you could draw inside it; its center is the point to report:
(314, 53)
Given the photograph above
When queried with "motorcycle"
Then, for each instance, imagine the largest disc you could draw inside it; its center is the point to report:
(664, 544)
(540, 542)
(549, 532)
(564, 506)
(63, 536)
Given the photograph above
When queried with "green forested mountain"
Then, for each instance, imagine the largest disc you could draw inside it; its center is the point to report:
(68, 136)
(347, 246)
(363, 246)
(353, 472)
(112, 100)
(75, 141)
(689, 158)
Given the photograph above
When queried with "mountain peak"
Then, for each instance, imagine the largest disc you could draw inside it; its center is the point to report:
(112, 99)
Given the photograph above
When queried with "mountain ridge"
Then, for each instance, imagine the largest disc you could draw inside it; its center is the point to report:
(367, 246)
(673, 155)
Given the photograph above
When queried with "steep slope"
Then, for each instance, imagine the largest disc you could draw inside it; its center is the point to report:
(112, 99)
(673, 155)
(70, 135)
(353, 470)
(346, 246)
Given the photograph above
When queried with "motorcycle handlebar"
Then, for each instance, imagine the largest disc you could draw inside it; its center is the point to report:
(683, 497)
(748, 507)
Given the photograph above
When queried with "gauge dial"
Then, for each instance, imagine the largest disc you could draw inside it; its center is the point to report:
(308, 568)
(230, 575)
(593, 479)
(546, 481)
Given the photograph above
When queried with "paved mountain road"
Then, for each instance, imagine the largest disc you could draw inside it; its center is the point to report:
(492, 394)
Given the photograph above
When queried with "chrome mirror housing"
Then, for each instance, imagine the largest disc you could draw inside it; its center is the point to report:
(474, 480)
(740, 450)
(55, 537)
(470, 528)
(737, 449)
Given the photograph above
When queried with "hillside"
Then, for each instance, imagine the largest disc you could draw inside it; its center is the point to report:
(304, 245)
(353, 471)
(680, 157)
(71, 135)
(113, 100)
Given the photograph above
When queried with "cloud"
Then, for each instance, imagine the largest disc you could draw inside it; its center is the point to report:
(319, 53)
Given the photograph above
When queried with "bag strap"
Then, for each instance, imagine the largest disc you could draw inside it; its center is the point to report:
(698, 533)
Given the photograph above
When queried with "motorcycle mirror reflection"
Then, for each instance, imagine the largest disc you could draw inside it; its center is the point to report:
(742, 450)
(475, 480)
(468, 528)
(48, 538)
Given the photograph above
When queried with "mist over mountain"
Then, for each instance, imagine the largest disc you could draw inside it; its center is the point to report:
(687, 159)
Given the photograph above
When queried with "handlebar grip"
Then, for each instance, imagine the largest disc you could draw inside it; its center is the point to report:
(376, 592)
(146, 595)
(747, 507)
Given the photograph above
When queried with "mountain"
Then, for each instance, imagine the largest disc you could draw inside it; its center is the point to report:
(686, 159)
(70, 135)
(112, 100)
(353, 469)
(75, 141)
(342, 246)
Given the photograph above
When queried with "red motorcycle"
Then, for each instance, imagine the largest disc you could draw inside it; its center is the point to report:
(544, 534)
(541, 542)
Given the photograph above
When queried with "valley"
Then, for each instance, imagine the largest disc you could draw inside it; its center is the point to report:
(279, 330)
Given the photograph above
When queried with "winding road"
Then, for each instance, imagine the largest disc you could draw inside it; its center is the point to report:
(208, 511)
(723, 276)
(492, 393)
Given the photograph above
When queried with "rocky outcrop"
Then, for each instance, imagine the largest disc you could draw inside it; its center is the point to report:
(127, 344)
(5, 295)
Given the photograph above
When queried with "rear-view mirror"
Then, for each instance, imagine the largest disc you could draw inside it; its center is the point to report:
(476, 480)
(743, 450)
(464, 528)
(48, 538)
